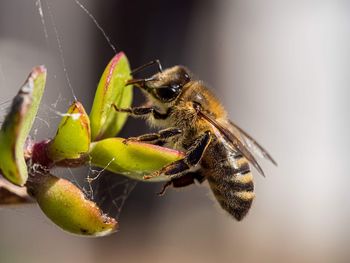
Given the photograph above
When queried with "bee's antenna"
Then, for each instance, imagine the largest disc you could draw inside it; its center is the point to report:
(135, 81)
(160, 68)
(139, 82)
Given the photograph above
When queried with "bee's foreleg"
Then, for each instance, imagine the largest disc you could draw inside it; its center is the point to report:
(185, 180)
(191, 159)
(142, 112)
(156, 138)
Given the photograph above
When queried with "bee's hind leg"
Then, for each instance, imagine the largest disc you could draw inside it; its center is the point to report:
(156, 138)
(185, 180)
(180, 167)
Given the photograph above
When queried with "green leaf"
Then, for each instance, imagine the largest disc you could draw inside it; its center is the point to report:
(72, 139)
(66, 205)
(105, 121)
(133, 159)
(17, 126)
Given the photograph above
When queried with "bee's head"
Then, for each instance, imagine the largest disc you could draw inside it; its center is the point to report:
(165, 86)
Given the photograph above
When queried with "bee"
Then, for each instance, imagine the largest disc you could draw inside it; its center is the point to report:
(193, 120)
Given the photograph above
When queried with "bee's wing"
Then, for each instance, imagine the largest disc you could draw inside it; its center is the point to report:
(234, 140)
(253, 143)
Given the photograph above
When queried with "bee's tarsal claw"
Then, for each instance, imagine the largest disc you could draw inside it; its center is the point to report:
(152, 175)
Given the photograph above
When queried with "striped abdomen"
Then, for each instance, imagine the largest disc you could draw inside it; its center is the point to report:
(232, 184)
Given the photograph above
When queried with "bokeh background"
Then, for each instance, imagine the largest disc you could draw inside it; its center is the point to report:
(281, 68)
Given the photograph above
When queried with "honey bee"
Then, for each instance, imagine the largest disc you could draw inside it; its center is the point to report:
(194, 121)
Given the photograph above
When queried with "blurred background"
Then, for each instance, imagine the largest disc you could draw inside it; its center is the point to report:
(281, 68)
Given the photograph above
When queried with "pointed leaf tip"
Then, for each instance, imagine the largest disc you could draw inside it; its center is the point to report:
(132, 159)
(17, 125)
(66, 205)
(73, 136)
(105, 121)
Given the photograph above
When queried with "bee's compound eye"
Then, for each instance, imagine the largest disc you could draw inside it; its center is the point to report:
(167, 93)
(187, 77)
